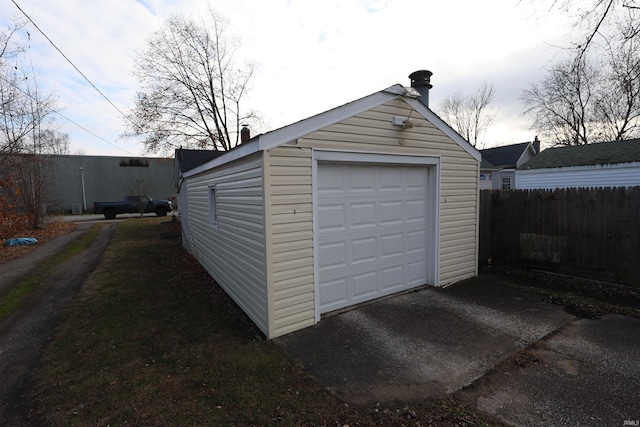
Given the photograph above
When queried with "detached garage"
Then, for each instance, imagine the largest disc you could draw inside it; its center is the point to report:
(372, 198)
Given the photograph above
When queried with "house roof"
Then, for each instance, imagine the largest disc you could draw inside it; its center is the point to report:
(506, 156)
(582, 155)
(485, 164)
(304, 127)
(189, 159)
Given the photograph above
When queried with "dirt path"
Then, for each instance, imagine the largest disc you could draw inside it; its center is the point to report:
(24, 334)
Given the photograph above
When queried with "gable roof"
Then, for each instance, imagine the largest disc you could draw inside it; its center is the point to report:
(506, 156)
(591, 154)
(306, 126)
(485, 164)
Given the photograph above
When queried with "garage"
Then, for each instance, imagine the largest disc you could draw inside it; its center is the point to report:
(375, 197)
(375, 229)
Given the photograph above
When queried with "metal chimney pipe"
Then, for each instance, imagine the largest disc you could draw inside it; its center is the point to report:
(421, 81)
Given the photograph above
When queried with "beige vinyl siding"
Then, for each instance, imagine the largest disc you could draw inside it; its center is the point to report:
(290, 239)
(234, 253)
(459, 207)
(372, 131)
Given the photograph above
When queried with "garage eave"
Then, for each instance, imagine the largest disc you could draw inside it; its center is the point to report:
(444, 127)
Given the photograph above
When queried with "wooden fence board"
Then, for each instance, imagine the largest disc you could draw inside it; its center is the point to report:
(593, 230)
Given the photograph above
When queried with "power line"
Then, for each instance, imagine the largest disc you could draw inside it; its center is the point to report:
(67, 118)
(97, 136)
(69, 61)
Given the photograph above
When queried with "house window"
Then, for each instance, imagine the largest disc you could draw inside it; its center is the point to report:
(506, 183)
(213, 207)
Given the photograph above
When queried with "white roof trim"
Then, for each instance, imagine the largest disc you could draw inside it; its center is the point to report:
(444, 127)
(304, 127)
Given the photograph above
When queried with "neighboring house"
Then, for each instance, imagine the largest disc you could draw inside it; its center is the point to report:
(608, 164)
(488, 173)
(374, 197)
(499, 164)
(74, 182)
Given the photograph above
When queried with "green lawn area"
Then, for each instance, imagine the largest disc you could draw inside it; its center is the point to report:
(151, 340)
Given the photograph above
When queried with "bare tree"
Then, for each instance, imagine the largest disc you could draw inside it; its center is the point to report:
(469, 114)
(596, 20)
(31, 168)
(617, 107)
(11, 42)
(190, 87)
(559, 105)
(54, 142)
(582, 101)
(15, 121)
(27, 129)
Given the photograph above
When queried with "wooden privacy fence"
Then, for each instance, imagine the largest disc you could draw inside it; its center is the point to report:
(593, 230)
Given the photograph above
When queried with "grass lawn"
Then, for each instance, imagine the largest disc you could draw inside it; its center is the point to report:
(150, 340)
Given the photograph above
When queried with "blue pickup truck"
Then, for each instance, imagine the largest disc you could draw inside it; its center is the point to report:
(133, 204)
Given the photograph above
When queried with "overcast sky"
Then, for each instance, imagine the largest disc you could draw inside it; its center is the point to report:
(311, 55)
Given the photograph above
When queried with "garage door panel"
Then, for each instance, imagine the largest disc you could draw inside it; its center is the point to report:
(362, 181)
(414, 179)
(363, 250)
(333, 255)
(415, 209)
(389, 180)
(380, 217)
(333, 182)
(365, 285)
(392, 278)
(391, 212)
(416, 271)
(332, 218)
(415, 241)
(334, 293)
(363, 214)
(392, 245)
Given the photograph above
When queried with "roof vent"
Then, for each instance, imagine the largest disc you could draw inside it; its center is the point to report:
(421, 81)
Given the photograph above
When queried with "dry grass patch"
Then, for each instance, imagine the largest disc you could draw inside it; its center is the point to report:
(151, 340)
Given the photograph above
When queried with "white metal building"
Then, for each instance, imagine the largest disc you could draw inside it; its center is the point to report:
(372, 198)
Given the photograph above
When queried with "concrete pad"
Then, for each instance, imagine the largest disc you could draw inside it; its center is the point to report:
(586, 375)
(427, 343)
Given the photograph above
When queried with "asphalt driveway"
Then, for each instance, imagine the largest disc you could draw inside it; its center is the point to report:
(496, 347)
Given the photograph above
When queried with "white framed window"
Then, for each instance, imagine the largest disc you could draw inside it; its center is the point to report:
(213, 207)
(506, 183)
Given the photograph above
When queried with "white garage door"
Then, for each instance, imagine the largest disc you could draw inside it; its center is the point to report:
(372, 231)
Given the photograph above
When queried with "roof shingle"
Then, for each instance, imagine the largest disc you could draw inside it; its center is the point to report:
(506, 156)
(583, 155)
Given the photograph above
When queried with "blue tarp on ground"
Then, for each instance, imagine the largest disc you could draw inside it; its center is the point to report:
(19, 241)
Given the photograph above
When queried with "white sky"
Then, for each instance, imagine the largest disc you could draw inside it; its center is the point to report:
(311, 55)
